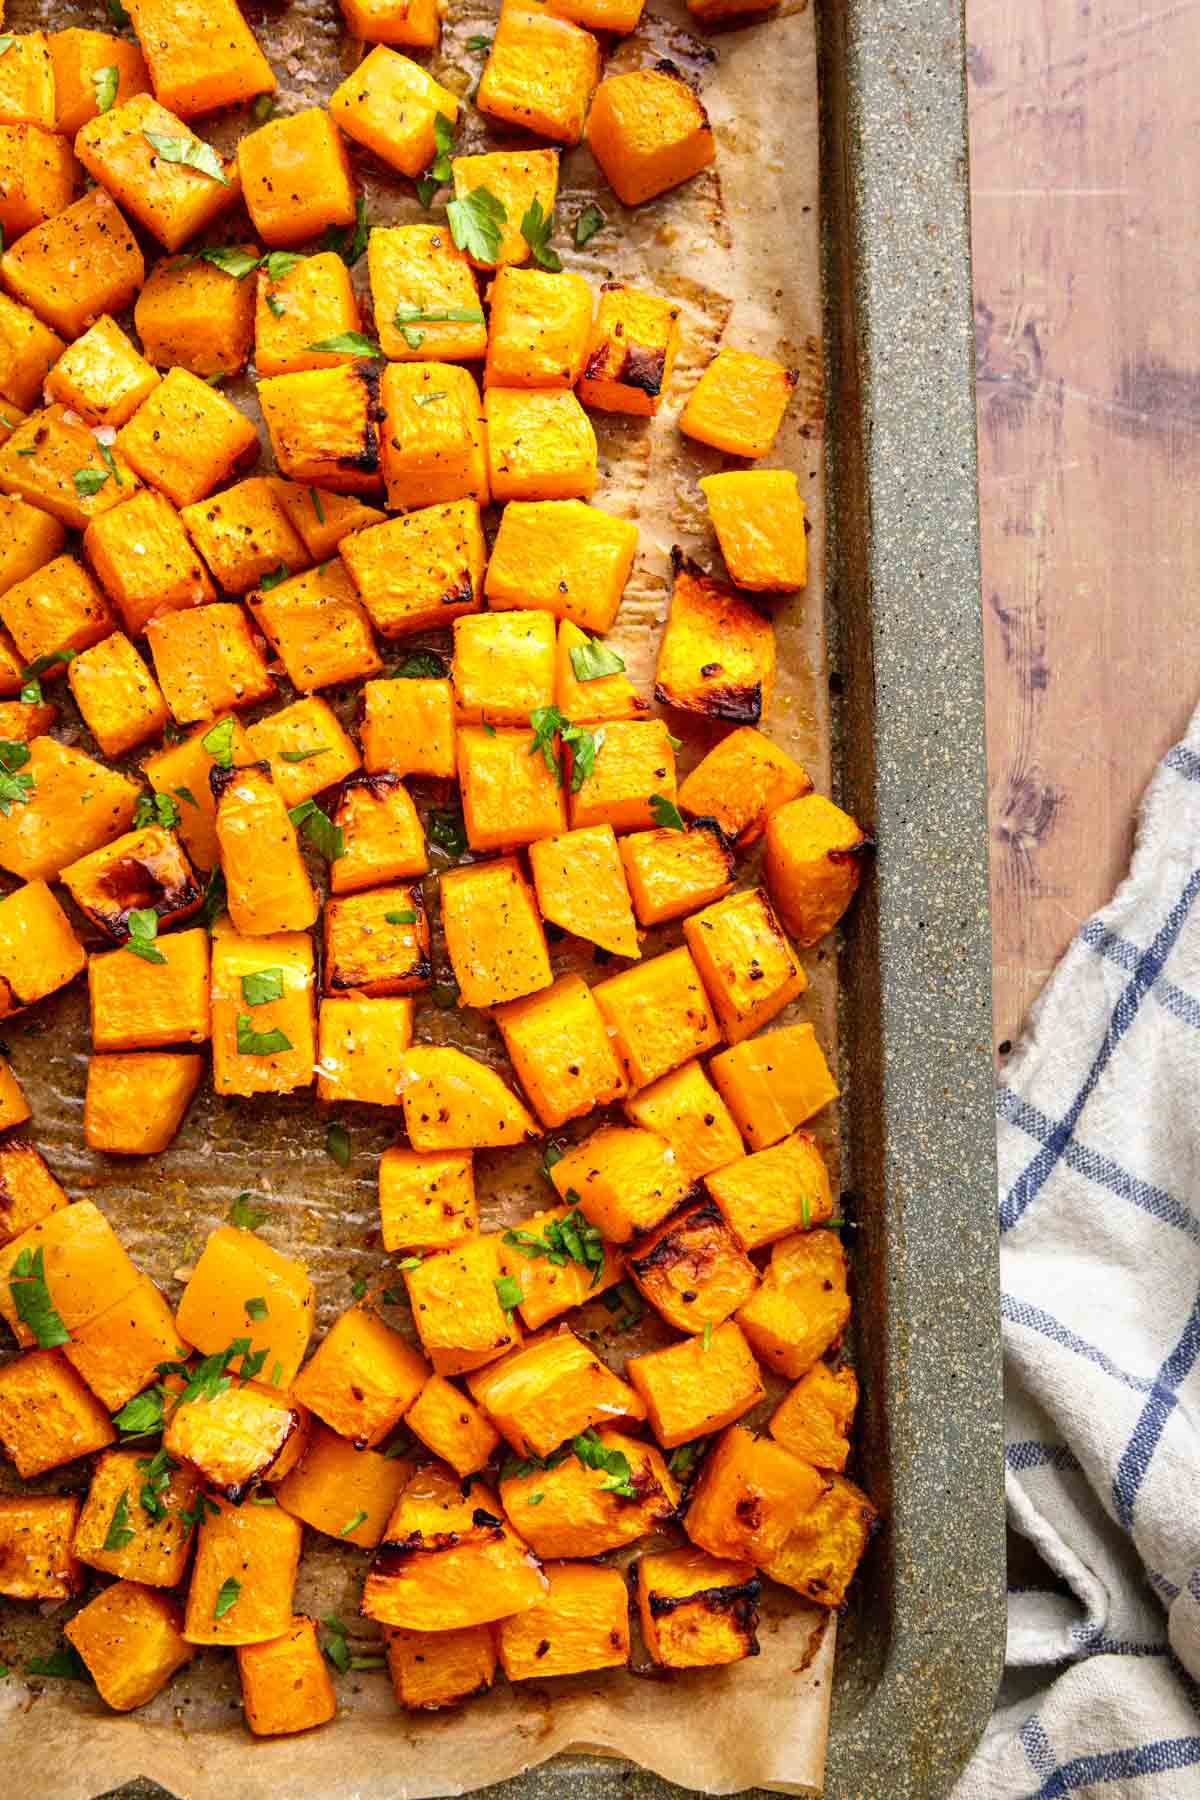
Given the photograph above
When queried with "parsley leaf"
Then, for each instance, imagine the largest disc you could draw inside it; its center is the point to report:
(279, 263)
(480, 41)
(193, 152)
(350, 241)
(553, 1153)
(401, 918)
(683, 1456)
(104, 85)
(31, 1298)
(319, 829)
(245, 1215)
(227, 1595)
(475, 222)
(335, 1645)
(195, 1515)
(143, 929)
(536, 226)
(255, 1307)
(120, 1532)
(592, 660)
(142, 1415)
(351, 343)
(275, 306)
(262, 985)
(263, 108)
(89, 482)
(117, 15)
(706, 1339)
(31, 693)
(508, 1293)
(448, 831)
(626, 1302)
(258, 1043)
(353, 1524)
(408, 317)
(159, 1469)
(273, 577)
(218, 741)
(548, 723)
(569, 1239)
(158, 809)
(615, 1464)
(315, 497)
(587, 224)
(41, 664)
(299, 756)
(213, 903)
(419, 665)
(15, 788)
(665, 813)
(230, 259)
(65, 1663)
(337, 1144)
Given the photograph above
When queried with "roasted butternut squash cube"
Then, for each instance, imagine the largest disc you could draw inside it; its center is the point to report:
(749, 1496)
(36, 1562)
(361, 1043)
(434, 446)
(538, 329)
(172, 199)
(454, 1102)
(322, 518)
(456, 1305)
(582, 1623)
(78, 57)
(503, 668)
(558, 1044)
(424, 295)
(422, 570)
(197, 315)
(28, 1191)
(671, 873)
(741, 781)
(580, 887)
(244, 1575)
(758, 517)
(235, 1266)
(631, 352)
(296, 177)
(415, 22)
(634, 766)
(776, 1191)
(802, 1307)
(21, 723)
(553, 1279)
(101, 376)
(47, 1415)
(773, 1083)
(200, 60)
(658, 1014)
(134, 1105)
(38, 177)
(600, 15)
(244, 533)
(83, 1265)
(820, 1558)
(382, 833)
(388, 105)
(494, 937)
(144, 562)
(749, 968)
(378, 942)
(426, 1201)
(41, 458)
(738, 403)
(14, 1108)
(121, 703)
(430, 1669)
(130, 1638)
(361, 1378)
(452, 1426)
(318, 628)
(625, 1179)
(141, 1005)
(696, 1611)
(207, 660)
(692, 1388)
(648, 131)
(344, 1491)
(57, 608)
(540, 74)
(118, 1351)
(567, 1507)
(286, 1685)
(691, 1269)
(813, 1420)
(408, 727)
(306, 747)
(540, 444)
(244, 1434)
(28, 350)
(268, 1047)
(29, 539)
(716, 655)
(146, 869)
(307, 303)
(324, 425)
(155, 1551)
(39, 952)
(583, 697)
(74, 804)
(551, 1388)
(815, 854)
(181, 771)
(449, 1560)
(516, 178)
(187, 438)
(27, 82)
(509, 796)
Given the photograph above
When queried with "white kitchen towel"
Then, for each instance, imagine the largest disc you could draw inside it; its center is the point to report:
(1099, 1144)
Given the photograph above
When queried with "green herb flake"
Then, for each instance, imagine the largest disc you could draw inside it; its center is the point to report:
(625, 1303)
(706, 1339)
(475, 223)
(683, 1456)
(275, 306)
(157, 809)
(337, 1145)
(261, 986)
(319, 829)
(448, 832)
(117, 16)
(64, 1664)
(227, 1596)
(89, 482)
(213, 903)
(142, 925)
(352, 1524)
(535, 1499)
(400, 918)
(805, 1212)
(349, 242)
(273, 577)
(231, 259)
(185, 793)
(419, 665)
(196, 1514)
(255, 1307)
(16, 783)
(158, 1470)
(6, 44)
(508, 1293)
(335, 1646)
(300, 756)
(316, 505)
(552, 1154)
(569, 1239)
(587, 224)
(31, 1298)
(480, 41)
(536, 226)
(358, 1287)
(348, 343)
(31, 693)
(141, 1416)
(666, 814)
(411, 1262)
(594, 659)
(279, 263)
(614, 1463)
(277, 1374)
(104, 86)
(259, 1043)
(218, 741)
(263, 109)
(192, 152)
(120, 1532)
(457, 315)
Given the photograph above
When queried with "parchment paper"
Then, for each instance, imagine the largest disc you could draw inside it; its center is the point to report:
(738, 248)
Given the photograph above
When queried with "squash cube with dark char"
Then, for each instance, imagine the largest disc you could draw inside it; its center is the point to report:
(143, 871)
(558, 1044)
(263, 1011)
(244, 533)
(562, 556)
(567, 1507)
(27, 81)
(28, 351)
(383, 838)
(83, 1263)
(245, 1434)
(658, 1014)
(121, 703)
(509, 796)
(131, 1640)
(378, 942)
(171, 200)
(426, 1200)
(47, 1415)
(235, 1266)
(517, 178)
(537, 329)
(29, 539)
(419, 571)
(118, 1351)
(686, 1109)
(343, 1491)
(318, 628)
(155, 1551)
(424, 295)
(407, 727)
(503, 668)
(494, 936)
(582, 1623)
(388, 104)
(72, 805)
(76, 266)
(540, 445)
(738, 403)
(692, 1388)
(648, 131)
(549, 1389)
(186, 438)
(244, 1575)
(813, 1420)
(758, 517)
(774, 1082)
(802, 1307)
(306, 748)
(200, 59)
(819, 1559)
(39, 952)
(267, 885)
(286, 1685)
(634, 343)
(815, 856)
(551, 1277)
(580, 887)
(101, 376)
(634, 766)
(361, 1042)
(41, 458)
(134, 1105)
(775, 1191)
(430, 1669)
(453, 1101)
(540, 74)
(322, 518)
(740, 782)
(137, 1004)
(434, 441)
(307, 303)
(750, 1496)
(324, 425)
(716, 655)
(583, 697)
(28, 1190)
(696, 1610)
(449, 1423)
(670, 873)
(296, 177)
(181, 771)
(39, 176)
(626, 1179)
(78, 57)
(36, 1560)
(196, 315)
(456, 1305)
(144, 561)
(361, 1378)
(749, 968)
(57, 609)
(691, 1270)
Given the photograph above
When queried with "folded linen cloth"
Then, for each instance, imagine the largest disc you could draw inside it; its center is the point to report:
(1099, 1148)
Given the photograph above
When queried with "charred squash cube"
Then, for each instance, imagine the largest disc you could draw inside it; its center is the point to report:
(815, 854)
(740, 783)
(74, 804)
(197, 315)
(819, 1560)
(774, 1192)
(296, 177)
(156, 1550)
(144, 870)
(634, 343)
(749, 968)
(28, 351)
(121, 703)
(407, 728)
(361, 1044)
(540, 74)
(321, 518)
(305, 304)
(202, 60)
(267, 885)
(538, 329)
(39, 952)
(424, 569)
(134, 1105)
(341, 1490)
(83, 1265)
(594, 699)
(813, 1420)
(758, 517)
(552, 1388)
(172, 200)
(426, 1201)
(141, 1005)
(455, 1299)
(318, 628)
(582, 1623)
(517, 178)
(558, 1045)
(306, 747)
(450, 1424)
(27, 81)
(503, 668)
(773, 1083)
(181, 771)
(430, 1669)
(47, 1415)
(540, 445)
(658, 1014)
(59, 608)
(378, 942)
(118, 1351)
(144, 561)
(696, 1610)
(29, 539)
(187, 438)
(257, 1549)
(36, 1562)
(41, 458)
(567, 1507)
(802, 1307)
(235, 1266)
(77, 265)
(362, 1378)
(634, 766)
(101, 376)
(716, 655)
(389, 105)
(551, 1278)
(509, 796)
(561, 556)
(286, 1685)
(324, 425)
(648, 131)
(415, 22)
(78, 57)
(692, 1388)
(580, 887)
(749, 1497)
(244, 534)
(625, 1179)
(382, 833)
(268, 1046)
(691, 1270)
(454, 1102)
(449, 1560)
(494, 937)
(129, 1636)
(28, 1191)
(738, 403)
(232, 1439)
(38, 177)
(671, 873)
(434, 443)
(424, 295)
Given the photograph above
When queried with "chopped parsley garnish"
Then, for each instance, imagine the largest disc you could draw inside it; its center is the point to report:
(196, 1515)
(592, 660)
(259, 1043)
(439, 171)
(65, 1664)
(448, 832)
(352, 1524)
(193, 152)
(158, 809)
(666, 814)
(615, 1464)
(227, 1596)
(158, 1471)
(261, 986)
(273, 577)
(408, 318)
(536, 226)
(142, 925)
(480, 41)
(104, 86)
(279, 263)
(349, 241)
(213, 903)
(16, 784)
(230, 259)
(587, 224)
(31, 1298)
(120, 1532)
(255, 1307)
(245, 1215)
(299, 756)
(337, 1145)
(583, 744)
(626, 1303)
(218, 741)
(419, 665)
(263, 108)
(508, 1293)
(348, 343)
(400, 918)
(319, 829)
(569, 1239)
(475, 223)
(141, 1416)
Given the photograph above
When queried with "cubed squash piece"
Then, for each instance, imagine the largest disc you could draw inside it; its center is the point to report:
(716, 655)
(600, 15)
(41, 458)
(671, 872)
(540, 74)
(538, 329)
(758, 517)
(28, 350)
(82, 1263)
(648, 131)
(346, 1492)
(590, 685)
(516, 178)
(407, 727)
(691, 1269)
(14, 1108)
(181, 772)
(426, 1201)
(388, 105)
(196, 314)
(540, 444)
(237, 1265)
(101, 376)
(551, 1388)
(29, 539)
(28, 1191)
(207, 660)
(452, 1101)
(322, 518)
(746, 962)
(131, 1640)
(244, 533)
(360, 1045)
(448, 1559)
(121, 703)
(582, 1623)
(154, 1542)
(27, 81)
(20, 722)
(558, 1044)
(141, 1005)
(232, 1439)
(411, 22)
(172, 199)
(79, 57)
(378, 942)
(434, 446)
(118, 1351)
(47, 1415)
(580, 887)
(187, 438)
(749, 1496)
(740, 782)
(424, 295)
(144, 561)
(567, 1506)
(39, 952)
(696, 1611)
(813, 1419)
(820, 1558)
(424, 569)
(430, 1669)
(802, 1307)
(286, 1685)
(262, 1046)
(38, 177)
(73, 805)
(503, 668)
(244, 1575)
(296, 177)
(558, 1260)
(738, 403)
(77, 265)
(494, 937)
(134, 1105)
(324, 425)
(456, 1306)
(318, 628)
(307, 301)
(624, 1179)
(361, 1378)
(658, 1014)
(200, 60)
(36, 1562)
(450, 1424)
(773, 1083)
(58, 608)
(631, 352)
(634, 767)
(306, 747)
(509, 796)
(145, 870)
(381, 832)
(692, 1388)
(815, 855)
(776, 1191)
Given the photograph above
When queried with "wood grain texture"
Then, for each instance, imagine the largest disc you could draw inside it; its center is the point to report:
(1085, 193)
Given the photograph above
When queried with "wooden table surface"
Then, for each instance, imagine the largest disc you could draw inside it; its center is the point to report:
(1085, 186)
